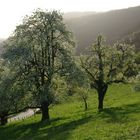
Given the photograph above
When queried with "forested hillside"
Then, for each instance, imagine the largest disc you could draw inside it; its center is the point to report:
(133, 38)
(114, 25)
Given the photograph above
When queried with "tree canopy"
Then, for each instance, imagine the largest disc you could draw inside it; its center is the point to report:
(39, 48)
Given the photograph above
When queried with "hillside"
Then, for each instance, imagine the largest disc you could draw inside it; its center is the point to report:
(114, 25)
(119, 121)
(133, 38)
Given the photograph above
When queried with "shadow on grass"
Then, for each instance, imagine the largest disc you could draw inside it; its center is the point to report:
(64, 131)
(120, 114)
(62, 128)
(42, 130)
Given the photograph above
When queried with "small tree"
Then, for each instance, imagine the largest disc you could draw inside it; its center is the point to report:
(83, 95)
(108, 64)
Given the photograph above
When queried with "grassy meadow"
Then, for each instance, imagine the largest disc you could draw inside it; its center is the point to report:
(120, 120)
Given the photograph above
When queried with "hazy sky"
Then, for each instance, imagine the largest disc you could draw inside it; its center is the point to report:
(12, 11)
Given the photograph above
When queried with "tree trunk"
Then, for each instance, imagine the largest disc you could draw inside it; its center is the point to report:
(3, 119)
(100, 101)
(86, 106)
(101, 95)
(45, 111)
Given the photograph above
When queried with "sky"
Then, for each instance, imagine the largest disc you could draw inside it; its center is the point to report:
(13, 11)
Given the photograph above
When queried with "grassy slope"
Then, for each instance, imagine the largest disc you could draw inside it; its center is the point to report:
(119, 121)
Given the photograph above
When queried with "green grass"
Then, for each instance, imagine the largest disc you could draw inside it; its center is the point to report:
(120, 120)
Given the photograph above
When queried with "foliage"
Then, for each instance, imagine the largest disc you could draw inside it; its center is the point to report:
(138, 57)
(11, 94)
